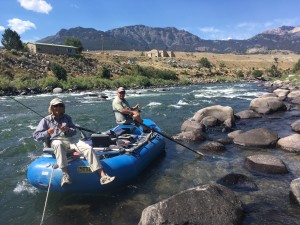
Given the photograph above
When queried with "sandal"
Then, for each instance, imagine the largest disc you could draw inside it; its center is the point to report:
(66, 179)
(106, 179)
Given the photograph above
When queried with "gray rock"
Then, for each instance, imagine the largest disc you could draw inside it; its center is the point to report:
(191, 125)
(235, 133)
(296, 126)
(57, 90)
(260, 137)
(265, 164)
(267, 105)
(220, 113)
(190, 136)
(248, 114)
(295, 190)
(207, 204)
(294, 94)
(213, 146)
(238, 182)
(209, 121)
(290, 143)
(281, 93)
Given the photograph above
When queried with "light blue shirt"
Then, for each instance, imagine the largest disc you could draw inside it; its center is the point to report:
(41, 134)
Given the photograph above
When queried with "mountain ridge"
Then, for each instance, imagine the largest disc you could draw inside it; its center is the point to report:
(145, 38)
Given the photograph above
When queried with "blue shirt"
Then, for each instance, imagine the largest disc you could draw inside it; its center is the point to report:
(41, 133)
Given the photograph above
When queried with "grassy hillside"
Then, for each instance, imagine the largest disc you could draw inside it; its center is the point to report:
(34, 73)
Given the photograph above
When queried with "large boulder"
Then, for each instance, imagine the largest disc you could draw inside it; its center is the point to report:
(290, 143)
(267, 105)
(223, 114)
(259, 137)
(295, 190)
(207, 204)
(265, 164)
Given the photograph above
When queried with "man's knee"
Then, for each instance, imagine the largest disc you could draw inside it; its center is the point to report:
(56, 143)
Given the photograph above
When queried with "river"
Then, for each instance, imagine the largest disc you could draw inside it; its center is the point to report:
(175, 171)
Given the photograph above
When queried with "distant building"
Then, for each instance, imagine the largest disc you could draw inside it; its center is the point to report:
(160, 53)
(51, 48)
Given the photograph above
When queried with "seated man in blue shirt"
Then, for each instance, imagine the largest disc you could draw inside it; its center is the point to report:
(59, 128)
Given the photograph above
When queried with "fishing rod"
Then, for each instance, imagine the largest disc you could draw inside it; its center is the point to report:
(78, 127)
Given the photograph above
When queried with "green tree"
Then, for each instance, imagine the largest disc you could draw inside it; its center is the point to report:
(205, 63)
(59, 71)
(74, 42)
(11, 40)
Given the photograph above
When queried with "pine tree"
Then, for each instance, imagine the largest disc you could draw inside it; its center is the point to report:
(11, 40)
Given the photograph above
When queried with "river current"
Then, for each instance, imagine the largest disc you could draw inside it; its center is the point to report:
(176, 170)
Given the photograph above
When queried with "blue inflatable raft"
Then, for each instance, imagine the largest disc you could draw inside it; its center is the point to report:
(124, 152)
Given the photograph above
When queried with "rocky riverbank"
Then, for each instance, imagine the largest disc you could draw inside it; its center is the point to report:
(222, 203)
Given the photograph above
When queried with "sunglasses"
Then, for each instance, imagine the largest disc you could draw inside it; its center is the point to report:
(59, 105)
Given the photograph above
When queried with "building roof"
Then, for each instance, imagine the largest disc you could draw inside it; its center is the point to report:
(49, 44)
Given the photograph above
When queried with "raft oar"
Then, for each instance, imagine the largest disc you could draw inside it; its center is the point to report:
(78, 127)
(170, 138)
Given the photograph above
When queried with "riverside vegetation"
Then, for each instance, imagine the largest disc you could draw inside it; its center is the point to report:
(26, 73)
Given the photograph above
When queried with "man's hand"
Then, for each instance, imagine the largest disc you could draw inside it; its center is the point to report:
(63, 127)
(136, 107)
(50, 131)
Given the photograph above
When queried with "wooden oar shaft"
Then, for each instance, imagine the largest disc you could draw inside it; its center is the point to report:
(170, 138)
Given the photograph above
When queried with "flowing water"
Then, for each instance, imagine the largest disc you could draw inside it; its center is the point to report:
(175, 171)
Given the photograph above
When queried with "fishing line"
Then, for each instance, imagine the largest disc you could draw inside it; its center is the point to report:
(54, 166)
(78, 127)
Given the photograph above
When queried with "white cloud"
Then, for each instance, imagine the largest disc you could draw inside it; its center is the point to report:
(40, 6)
(2, 28)
(20, 26)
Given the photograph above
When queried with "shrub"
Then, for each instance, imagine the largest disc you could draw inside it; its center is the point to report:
(52, 82)
(103, 73)
(5, 84)
(257, 73)
(296, 67)
(151, 72)
(59, 71)
(205, 63)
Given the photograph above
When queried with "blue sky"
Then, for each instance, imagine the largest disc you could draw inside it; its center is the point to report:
(208, 19)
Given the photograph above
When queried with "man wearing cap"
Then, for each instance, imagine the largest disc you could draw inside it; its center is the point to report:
(123, 112)
(56, 130)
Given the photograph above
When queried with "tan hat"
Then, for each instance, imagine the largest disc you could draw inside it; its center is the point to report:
(121, 89)
(56, 101)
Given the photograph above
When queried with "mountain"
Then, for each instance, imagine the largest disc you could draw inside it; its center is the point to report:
(144, 38)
